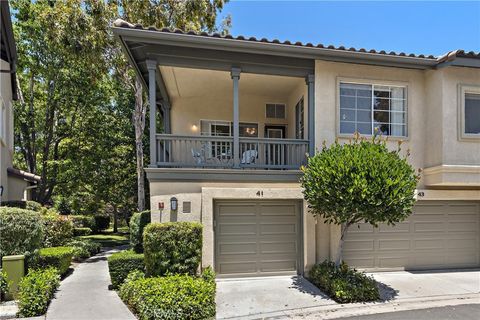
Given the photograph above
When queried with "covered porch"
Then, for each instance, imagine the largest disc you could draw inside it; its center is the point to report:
(223, 108)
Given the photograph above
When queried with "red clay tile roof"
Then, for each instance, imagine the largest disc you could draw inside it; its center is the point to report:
(450, 55)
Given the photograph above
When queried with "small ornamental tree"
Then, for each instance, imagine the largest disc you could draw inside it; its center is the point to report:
(361, 181)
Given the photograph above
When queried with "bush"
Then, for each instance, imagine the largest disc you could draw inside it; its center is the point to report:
(3, 284)
(36, 290)
(21, 231)
(58, 230)
(120, 264)
(343, 284)
(138, 221)
(33, 205)
(83, 249)
(77, 232)
(102, 222)
(172, 247)
(170, 297)
(81, 221)
(57, 257)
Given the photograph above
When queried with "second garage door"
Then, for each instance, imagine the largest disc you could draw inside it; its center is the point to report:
(257, 237)
(437, 235)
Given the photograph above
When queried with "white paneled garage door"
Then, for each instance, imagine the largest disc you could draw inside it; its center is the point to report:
(257, 237)
(437, 235)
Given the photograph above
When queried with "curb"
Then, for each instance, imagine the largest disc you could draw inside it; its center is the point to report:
(358, 309)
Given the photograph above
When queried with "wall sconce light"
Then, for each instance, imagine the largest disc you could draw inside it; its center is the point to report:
(173, 204)
(194, 128)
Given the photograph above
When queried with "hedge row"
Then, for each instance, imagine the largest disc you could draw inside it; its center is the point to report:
(172, 247)
(84, 248)
(77, 232)
(138, 222)
(120, 264)
(170, 297)
(36, 290)
(57, 257)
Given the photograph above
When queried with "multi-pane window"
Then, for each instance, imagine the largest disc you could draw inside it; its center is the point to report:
(472, 113)
(365, 108)
(275, 110)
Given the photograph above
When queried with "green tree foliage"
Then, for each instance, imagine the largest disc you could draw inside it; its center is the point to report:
(79, 98)
(361, 181)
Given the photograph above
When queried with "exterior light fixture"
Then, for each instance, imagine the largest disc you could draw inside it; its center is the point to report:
(194, 128)
(173, 204)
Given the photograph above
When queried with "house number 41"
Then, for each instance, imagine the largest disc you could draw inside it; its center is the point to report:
(260, 193)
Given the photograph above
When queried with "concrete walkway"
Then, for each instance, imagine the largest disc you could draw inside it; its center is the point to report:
(84, 295)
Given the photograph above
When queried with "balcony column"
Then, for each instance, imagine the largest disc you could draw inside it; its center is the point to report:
(166, 117)
(236, 118)
(310, 81)
(152, 100)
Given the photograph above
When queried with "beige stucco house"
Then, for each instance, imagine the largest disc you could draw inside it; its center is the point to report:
(240, 115)
(15, 184)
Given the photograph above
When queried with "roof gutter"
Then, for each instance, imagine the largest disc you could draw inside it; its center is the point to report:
(278, 49)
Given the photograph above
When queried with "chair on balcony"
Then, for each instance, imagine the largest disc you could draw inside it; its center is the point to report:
(249, 156)
(197, 157)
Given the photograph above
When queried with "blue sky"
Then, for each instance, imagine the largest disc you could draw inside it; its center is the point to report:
(430, 27)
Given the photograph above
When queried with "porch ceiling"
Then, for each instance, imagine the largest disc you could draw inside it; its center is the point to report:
(187, 82)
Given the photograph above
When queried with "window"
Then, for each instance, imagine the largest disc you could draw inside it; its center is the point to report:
(472, 113)
(225, 128)
(365, 108)
(275, 111)
(299, 120)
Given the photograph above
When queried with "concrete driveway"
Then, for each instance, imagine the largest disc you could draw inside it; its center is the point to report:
(421, 284)
(295, 297)
(253, 297)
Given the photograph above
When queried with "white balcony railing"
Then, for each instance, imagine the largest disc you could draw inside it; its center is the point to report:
(180, 151)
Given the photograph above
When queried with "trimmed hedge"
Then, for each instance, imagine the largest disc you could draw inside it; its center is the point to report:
(15, 204)
(81, 221)
(172, 247)
(33, 205)
(120, 264)
(344, 284)
(57, 257)
(36, 290)
(77, 232)
(21, 231)
(58, 230)
(102, 222)
(138, 222)
(170, 297)
(83, 249)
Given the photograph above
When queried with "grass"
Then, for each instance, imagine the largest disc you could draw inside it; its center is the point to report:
(109, 239)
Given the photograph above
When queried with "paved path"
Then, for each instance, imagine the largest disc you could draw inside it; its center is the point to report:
(84, 294)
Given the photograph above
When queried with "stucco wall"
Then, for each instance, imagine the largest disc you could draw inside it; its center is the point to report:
(6, 146)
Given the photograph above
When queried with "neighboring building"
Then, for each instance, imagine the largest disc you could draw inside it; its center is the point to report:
(14, 184)
(241, 113)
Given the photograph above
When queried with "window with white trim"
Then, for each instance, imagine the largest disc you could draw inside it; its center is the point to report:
(365, 108)
(275, 110)
(472, 113)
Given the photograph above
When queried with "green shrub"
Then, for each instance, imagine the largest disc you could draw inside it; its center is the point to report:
(102, 222)
(81, 221)
(120, 264)
(170, 297)
(63, 206)
(58, 230)
(57, 257)
(36, 290)
(83, 249)
(138, 221)
(3, 284)
(82, 232)
(344, 284)
(33, 205)
(15, 204)
(172, 247)
(21, 231)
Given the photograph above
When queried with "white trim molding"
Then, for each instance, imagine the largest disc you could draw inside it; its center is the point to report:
(452, 175)
(464, 89)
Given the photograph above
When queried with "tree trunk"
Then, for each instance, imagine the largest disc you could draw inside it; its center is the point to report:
(139, 123)
(115, 219)
(339, 256)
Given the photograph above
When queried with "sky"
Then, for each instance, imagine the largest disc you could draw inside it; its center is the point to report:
(429, 27)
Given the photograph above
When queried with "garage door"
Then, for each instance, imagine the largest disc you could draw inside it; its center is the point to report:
(437, 235)
(257, 237)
